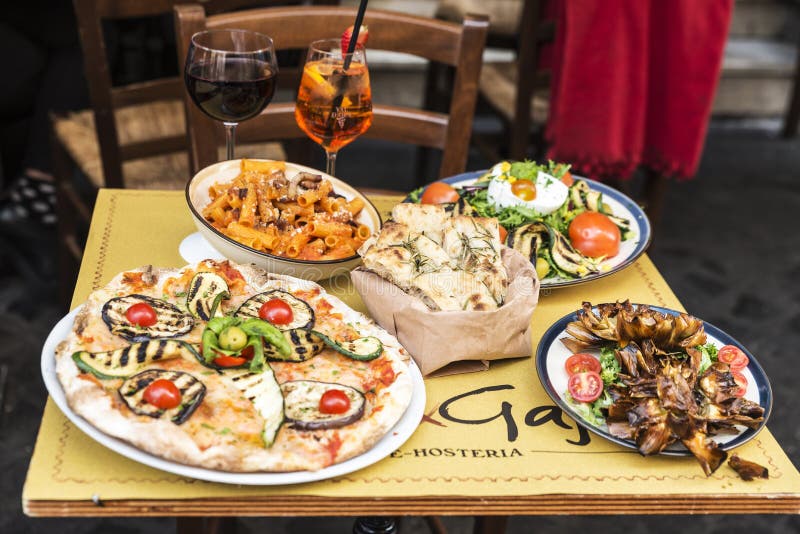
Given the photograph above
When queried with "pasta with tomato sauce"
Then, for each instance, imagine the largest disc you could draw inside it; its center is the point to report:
(300, 217)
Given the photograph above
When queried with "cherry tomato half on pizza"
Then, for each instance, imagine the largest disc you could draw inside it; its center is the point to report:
(276, 311)
(141, 314)
(224, 360)
(581, 363)
(163, 394)
(334, 401)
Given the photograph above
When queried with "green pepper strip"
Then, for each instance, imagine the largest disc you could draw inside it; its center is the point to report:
(273, 336)
(218, 324)
(210, 345)
(219, 298)
(257, 363)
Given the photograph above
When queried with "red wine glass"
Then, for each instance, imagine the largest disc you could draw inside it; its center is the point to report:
(230, 75)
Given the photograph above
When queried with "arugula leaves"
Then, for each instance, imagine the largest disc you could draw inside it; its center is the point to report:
(709, 352)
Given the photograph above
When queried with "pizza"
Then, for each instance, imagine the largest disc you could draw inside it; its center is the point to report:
(231, 368)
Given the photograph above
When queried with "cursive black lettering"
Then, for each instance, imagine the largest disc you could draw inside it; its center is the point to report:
(505, 411)
(545, 414)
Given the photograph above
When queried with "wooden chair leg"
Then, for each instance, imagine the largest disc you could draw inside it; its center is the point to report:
(655, 189)
(792, 118)
(190, 525)
(205, 525)
(68, 249)
(490, 524)
(435, 525)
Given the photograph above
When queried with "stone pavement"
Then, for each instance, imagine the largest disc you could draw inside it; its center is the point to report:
(728, 245)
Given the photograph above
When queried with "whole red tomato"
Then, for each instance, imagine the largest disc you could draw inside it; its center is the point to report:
(439, 193)
(594, 235)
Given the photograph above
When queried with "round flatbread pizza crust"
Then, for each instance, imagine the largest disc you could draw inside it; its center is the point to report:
(225, 428)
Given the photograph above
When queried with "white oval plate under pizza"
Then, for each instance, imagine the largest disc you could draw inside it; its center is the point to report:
(390, 442)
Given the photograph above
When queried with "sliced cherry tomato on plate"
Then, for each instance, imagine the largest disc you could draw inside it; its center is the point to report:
(581, 363)
(439, 193)
(594, 235)
(741, 381)
(567, 179)
(524, 189)
(503, 233)
(276, 311)
(163, 394)
(734, 357)
(223, 360)
(585, 387)
(141, 314)
(334, 401)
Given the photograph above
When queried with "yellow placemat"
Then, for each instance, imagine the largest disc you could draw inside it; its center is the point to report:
(495, 433)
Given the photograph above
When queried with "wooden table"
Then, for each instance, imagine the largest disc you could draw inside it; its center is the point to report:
(524, 458)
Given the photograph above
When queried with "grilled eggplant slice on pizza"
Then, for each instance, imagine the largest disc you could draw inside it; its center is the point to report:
(170, 321)
(302, 316)
(206, 292)
(312, 405)
(124, 362)
(134, 393)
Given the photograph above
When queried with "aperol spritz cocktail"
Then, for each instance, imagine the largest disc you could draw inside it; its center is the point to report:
(334, 105)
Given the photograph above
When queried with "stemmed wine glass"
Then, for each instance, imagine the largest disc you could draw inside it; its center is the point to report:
(230, 75)
(334, 103)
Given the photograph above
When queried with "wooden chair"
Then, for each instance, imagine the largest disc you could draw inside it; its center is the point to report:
(517, 91)
(133, 136)
(457, 45)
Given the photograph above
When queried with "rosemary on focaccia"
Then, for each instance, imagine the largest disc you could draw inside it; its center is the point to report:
(228, 367)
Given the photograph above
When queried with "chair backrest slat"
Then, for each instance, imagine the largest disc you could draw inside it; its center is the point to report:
(457, 45)
(105, 99)
(141, 93)
(293, 28)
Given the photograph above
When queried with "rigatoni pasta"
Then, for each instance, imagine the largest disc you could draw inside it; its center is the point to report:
(300, 217)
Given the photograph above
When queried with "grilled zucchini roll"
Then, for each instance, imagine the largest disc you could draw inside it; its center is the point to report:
(124, 362)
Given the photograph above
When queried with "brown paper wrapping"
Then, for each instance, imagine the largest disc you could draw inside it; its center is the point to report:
(450, 342)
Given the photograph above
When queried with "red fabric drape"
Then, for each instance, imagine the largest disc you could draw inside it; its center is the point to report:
(633, 83)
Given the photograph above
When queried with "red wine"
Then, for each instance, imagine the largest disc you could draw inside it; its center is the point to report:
(236, 92)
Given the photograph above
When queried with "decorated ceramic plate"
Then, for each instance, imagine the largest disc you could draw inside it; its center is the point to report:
(389, 443)
(623, 207)
(552, 355)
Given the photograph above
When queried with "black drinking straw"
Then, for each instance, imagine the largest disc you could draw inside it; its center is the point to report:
(351, 46)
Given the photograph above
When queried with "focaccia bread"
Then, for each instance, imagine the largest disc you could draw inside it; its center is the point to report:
(451, 263)
(259, 403)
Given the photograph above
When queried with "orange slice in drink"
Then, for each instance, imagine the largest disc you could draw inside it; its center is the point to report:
(320, 86)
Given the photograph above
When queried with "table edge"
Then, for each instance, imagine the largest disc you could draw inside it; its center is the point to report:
(551, 504)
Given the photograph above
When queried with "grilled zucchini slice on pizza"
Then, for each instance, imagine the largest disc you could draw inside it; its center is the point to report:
(362, 349)
(308, 409)
(133, 393)
(304, 344)
(263, 391)
(170, 320)
(302, 316)
(206, 292)
(124, 362)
